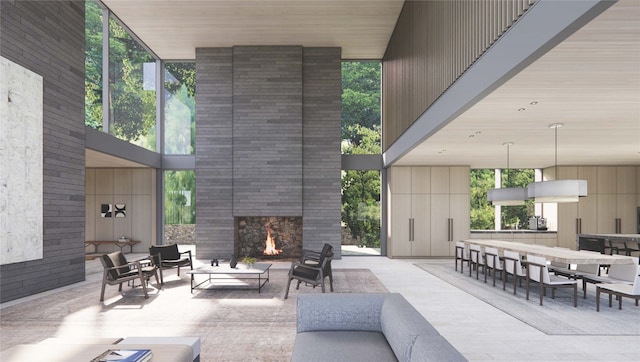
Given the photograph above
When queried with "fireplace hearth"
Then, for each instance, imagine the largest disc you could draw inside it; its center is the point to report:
(268, 237)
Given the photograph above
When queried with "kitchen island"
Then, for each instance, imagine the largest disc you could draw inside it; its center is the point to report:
(597, 242)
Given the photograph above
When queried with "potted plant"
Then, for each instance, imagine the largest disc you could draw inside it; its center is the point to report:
(249, 261)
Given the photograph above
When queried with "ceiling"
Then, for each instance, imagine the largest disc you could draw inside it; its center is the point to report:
(98, 159)
(590, 82)
(173, 29)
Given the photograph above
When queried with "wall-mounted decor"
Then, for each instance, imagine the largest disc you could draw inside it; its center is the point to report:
(121, 210)
(105, 210)
(21, 173)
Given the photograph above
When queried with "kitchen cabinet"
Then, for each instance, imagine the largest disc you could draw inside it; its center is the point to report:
(609, 208)
(429, 210)
(409, 212)
(578, 217)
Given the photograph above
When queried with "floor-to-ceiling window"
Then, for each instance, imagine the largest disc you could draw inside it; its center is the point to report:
(179, 139)
(483, 214)
(179, 108)
(93, 65)
(132, 89)
(179, 207)
(125, 82)
(361, 135)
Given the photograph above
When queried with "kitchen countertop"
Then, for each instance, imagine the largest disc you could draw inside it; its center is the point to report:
(613, 237)
(513, 232)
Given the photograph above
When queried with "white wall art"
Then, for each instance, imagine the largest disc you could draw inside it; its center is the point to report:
(21, 94)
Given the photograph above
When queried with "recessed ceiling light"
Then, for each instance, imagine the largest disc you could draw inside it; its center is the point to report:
(521, 109)
(533, 103)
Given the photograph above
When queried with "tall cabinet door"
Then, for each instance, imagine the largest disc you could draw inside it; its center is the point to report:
(626, 202)
(588, 206)
(421, 215)
(399, 239)
(440, 225)
(459, 210)
(567, 212)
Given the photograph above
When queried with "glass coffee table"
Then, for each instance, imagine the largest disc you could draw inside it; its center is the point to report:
(225, 277)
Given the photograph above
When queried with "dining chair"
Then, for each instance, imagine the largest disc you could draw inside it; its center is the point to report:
(462, 254)
(475, 253)
(538, 271)
(628, 249)
(513, 266)
(609, 245)
(493, 263)
(620, 290)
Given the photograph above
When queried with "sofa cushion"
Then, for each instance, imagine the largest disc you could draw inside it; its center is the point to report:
(342, 346)
(401, 323)
(339, 312)
(429, 347)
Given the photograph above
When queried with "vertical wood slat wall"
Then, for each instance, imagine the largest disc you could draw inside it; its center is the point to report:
(434, 42)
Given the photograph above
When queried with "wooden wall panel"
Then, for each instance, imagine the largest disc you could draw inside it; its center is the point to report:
(434, 42)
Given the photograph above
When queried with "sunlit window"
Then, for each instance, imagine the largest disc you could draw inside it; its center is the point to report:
(132, 89)
(179, 108)
(93, 65)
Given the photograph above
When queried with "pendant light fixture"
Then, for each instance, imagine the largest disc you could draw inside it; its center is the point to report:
(557, 190)
(507, 196)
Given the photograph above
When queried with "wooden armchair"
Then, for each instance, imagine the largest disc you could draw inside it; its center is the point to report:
(168, 256)
(313, 273)
(118, 270)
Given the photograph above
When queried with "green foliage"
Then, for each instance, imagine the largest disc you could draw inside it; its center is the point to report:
(361, 205)
(93, 65)
(360, 100)
(517, 215)
(361, 136)
(133, 109)
(482, 213)
(179, 197)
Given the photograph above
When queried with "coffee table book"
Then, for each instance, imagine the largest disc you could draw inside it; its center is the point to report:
(124, 355)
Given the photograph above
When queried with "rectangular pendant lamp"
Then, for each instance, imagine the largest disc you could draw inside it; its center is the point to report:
(557, 190)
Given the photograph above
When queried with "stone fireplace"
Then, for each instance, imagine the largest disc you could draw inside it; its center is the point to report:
(268, 143)
(267, 237)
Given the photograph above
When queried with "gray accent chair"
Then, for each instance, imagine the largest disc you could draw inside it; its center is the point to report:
(313, 273)
(168, 256)
(118, 270)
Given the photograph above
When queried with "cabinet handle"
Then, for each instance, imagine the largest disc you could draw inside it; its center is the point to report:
(450, 230)
(618, 226)
(411, 229)
(578, 226)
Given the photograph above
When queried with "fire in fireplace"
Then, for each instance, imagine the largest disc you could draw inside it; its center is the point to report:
(266, 237)
(270, 244)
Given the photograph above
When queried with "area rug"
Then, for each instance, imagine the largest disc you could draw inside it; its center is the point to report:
(556, 316)
(234, 325)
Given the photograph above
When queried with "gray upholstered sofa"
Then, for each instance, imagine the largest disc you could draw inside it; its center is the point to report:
(366, 327)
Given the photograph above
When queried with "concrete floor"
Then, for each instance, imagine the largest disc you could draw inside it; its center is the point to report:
(477, 329)
(482, 332)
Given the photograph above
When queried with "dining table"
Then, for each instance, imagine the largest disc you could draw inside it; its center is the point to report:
(554, 254)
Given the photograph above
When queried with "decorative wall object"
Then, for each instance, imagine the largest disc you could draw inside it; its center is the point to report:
(105, 210)
(121, 210)
(21, 95)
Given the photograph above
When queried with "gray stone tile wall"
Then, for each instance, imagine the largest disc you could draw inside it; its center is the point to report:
(47, 37)
(322, 106)
(214, 152)
(267, 131)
